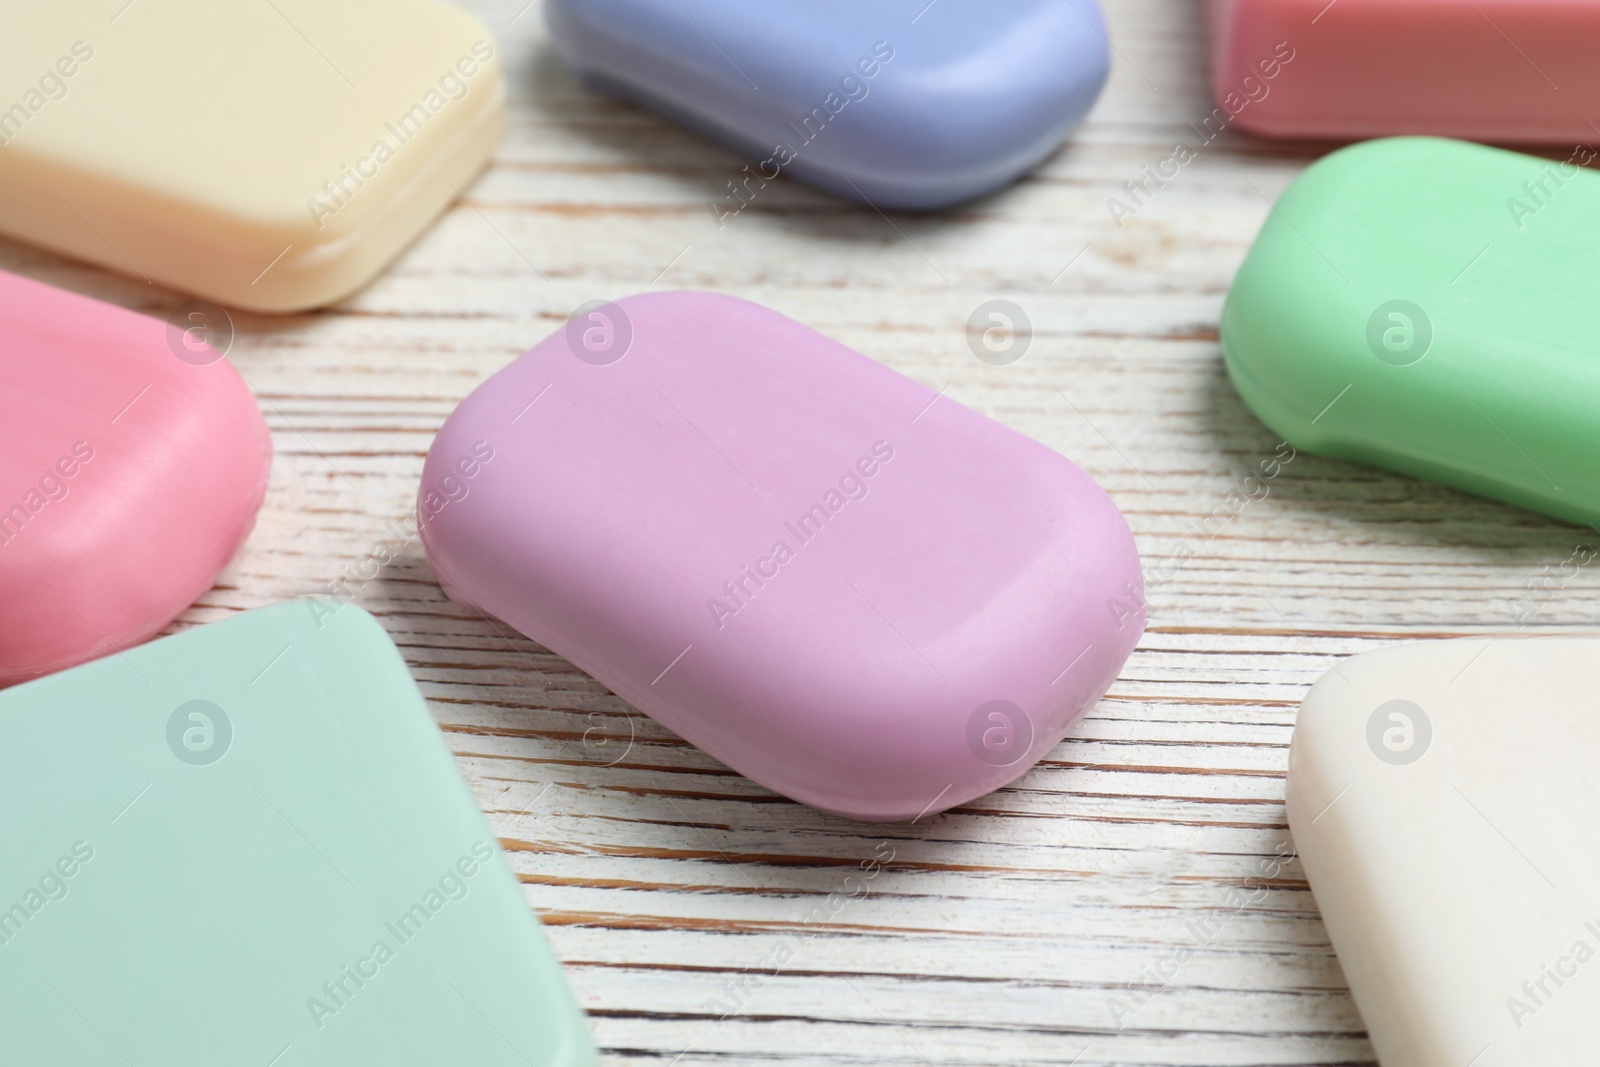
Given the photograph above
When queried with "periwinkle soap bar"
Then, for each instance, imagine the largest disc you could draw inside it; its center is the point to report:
(1427, 306)
(274, 156)
(848, 587)
(1492, 70)
(903, 103)
(132, 462)
(1442, 796)
(247, 844)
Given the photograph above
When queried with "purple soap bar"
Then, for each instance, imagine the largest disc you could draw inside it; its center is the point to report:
(857, 592)
(905, 104)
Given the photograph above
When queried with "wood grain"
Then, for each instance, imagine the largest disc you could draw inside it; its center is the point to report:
(704, 920)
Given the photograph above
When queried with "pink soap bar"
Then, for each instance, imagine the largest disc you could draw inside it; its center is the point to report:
(128, 475)
(849, 588)
(1488, 70)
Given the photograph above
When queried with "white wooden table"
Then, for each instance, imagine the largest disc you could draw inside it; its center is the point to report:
(1028, 927)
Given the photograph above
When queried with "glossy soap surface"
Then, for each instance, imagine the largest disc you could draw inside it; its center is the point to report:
(128, 476)
(904, 103)
(1442, 797)
(1427, 305)
(274, 156)
(817, 570)
(247, 841)
(1493, 70)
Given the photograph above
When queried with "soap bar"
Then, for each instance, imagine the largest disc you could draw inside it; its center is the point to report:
(848, 587)
(1426, 305)
(247, 844)
(903, 103)
(1442, 797)
(1492, 70)
(132, 462)
(274, 156)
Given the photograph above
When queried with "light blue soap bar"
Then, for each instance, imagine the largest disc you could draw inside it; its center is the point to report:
(248, 844)
(904, 103)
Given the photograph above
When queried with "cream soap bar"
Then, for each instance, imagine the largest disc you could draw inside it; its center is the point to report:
(274, 156)
(1443, 799)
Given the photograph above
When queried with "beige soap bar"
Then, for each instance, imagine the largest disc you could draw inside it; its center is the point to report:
(1445, 800)
(271, 154)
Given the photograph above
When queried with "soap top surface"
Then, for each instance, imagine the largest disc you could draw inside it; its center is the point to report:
(921, 104)
(810, 566)
(1452, 847)
(247, 841)
(129, 474)
(1506, 71)
(1424, 304)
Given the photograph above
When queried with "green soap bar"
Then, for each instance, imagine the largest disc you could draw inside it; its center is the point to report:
(1429, 306)
(246, 844)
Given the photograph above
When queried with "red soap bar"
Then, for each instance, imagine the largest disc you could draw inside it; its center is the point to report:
(132, 462)
(1513, 71)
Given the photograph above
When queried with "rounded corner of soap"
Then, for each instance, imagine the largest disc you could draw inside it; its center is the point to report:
(321, 616)
(653, 309)
(1380, 153)
(1350, 690)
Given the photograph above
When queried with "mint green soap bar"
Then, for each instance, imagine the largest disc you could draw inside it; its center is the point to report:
(247, 844)
(1430, 306)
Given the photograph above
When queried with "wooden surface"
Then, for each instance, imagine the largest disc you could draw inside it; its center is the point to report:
(1026, 927)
